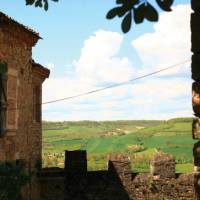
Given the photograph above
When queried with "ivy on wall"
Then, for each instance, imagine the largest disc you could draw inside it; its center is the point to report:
(12, 178)
(3, 68)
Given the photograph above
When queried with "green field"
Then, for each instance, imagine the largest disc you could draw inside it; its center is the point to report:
(139, 139)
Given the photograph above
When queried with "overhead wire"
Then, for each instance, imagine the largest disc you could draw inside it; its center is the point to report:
(110, 86)
(117, 84)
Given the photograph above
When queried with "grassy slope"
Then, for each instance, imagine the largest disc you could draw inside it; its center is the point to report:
(173, 136)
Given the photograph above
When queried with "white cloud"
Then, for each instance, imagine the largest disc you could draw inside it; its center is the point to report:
(156, 97)
(99, 62)
(169, 43)
(50, 65)
(162, 89)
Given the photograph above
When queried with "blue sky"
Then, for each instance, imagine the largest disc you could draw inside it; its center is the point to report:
(85, 51)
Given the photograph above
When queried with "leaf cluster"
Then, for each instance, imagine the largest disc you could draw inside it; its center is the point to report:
(12, 178)
(40, 3)
(137, 11)
(130, 10)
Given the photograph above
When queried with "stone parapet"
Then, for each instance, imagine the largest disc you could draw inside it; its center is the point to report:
(120, 183)
(163, 166)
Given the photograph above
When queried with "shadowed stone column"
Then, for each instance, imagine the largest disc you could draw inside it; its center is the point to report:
(196, 154)
(76, 175)
(195, 38)
(119, 167)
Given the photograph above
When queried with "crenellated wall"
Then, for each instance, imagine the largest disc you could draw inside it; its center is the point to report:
(118, 182)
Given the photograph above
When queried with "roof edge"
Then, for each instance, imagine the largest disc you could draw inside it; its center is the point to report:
(40, 70)
(4, 17)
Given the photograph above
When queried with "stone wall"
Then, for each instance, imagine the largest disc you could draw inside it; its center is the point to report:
(16, 50)
(118, 182)
(23, 138)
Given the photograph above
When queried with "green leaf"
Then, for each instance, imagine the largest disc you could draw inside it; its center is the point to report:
(139, 14)
(40, 4)
(112, 13)
(165, 4)
(30, 2)
(126, 23)
(150, 13)
(3, 68)
(37, 3)
(46, 5)
(121, 1)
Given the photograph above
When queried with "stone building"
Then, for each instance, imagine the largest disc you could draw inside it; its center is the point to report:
(20, 94)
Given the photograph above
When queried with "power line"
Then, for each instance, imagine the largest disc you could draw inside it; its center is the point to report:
(116, 85)
(111, 86)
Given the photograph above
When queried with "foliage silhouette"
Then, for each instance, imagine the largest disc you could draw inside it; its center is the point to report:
(40, 3)
(12, 178)
(139, 9)
(136, 10)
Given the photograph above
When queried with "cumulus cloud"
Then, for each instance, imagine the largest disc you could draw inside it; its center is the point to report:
(50, 65)
(162, 96)
(169, 43)
(99, 61)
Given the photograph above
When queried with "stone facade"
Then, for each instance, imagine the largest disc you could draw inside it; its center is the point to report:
(23, 137)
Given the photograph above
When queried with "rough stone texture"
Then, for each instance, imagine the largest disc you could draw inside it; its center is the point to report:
(196, 154)
(196, 128)
(195, 5)
(196, 67)
(195, 30)
(76, 162)
(52, 184)
(196, 98)
(100, 185)
(195, 38)
(119, 183)
(23, 137)
(163, 165)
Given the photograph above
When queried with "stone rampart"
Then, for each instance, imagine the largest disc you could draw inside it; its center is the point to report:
(118, 182)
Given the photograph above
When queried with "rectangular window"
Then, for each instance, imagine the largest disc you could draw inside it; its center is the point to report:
(37, 104)
(3, 103)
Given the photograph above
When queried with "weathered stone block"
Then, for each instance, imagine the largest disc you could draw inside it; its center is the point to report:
(119, 163)
(76, 162)
(197, 184)
(11, 115)
(12, 87)
(196, 129)
(196, 67)
(163, 165)
(196, 156)
(195, 30)
(119, 167)
(196, 98)
(195, 5)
